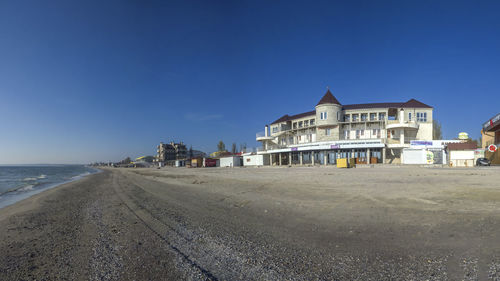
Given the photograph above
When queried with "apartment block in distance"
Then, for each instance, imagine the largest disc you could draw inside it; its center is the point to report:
(167, 153)
(368, 132)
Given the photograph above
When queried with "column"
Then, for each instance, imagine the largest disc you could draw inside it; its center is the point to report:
(289, 158)
(402, 136)
(312, 157)
(352, 153)
(300, 157)
(367, 156)
(270, 159)
(279, 155)
(383, 155)
(325, 157)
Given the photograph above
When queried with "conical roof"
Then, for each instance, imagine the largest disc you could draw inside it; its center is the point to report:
(328, 98)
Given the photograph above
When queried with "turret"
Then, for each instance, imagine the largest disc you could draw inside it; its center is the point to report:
(328, 111)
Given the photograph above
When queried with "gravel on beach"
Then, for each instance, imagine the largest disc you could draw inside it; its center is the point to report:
(258, 224)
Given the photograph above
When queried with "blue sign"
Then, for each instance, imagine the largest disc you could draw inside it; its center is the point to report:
(415, 142)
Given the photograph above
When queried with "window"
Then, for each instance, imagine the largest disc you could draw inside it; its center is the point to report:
(346, 135)
(362, 132)
(373, 116)
(275, 129)
(358, 133)
(327, 132)
(295, 125)
(347, 118)
(422, 116)
(409, 116)
(306, 123)
(323, 116)
(354, 117)
(364, 116)
(388, 134)
(381, 116)
(300, 124)
(311, 122)
(338, 115)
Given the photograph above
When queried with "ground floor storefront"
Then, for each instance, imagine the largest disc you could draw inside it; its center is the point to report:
(327, 157)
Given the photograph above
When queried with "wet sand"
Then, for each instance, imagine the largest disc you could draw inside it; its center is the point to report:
(301, 223)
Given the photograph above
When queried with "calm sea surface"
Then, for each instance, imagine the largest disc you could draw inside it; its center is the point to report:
(19, 182)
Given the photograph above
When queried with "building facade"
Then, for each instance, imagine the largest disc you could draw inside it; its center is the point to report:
(491, 136)
(169, 152)
(370, 133)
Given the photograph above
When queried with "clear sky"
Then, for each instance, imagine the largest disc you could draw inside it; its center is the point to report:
(85, 81)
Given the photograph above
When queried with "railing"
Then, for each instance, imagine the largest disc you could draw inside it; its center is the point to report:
(281, 129)
(260, 134)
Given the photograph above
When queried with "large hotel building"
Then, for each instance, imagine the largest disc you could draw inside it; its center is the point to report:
(370, 132)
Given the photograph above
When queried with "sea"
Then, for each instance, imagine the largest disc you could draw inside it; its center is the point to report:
(23, 181)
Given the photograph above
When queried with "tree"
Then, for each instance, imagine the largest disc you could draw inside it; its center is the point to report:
(221, 146)
(126, 161)
(191, 151)
(243, 147)
(233, 148)
(436, 130)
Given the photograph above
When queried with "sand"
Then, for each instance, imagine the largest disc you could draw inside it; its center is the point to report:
(300, 223)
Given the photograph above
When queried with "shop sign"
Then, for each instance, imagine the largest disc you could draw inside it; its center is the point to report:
(294, 148)
(416, 142)
(430, 157)
(492, 148)
(334, 146)
(492, 121)
(463, 136)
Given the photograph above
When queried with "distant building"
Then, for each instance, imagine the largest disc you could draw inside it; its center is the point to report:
(167, 153)
(491, 136)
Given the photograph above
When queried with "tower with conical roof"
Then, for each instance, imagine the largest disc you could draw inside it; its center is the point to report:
(328, 111)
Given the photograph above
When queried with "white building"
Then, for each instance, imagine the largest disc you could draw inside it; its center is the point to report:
(255, 160)
(370, 132)
(231, 161)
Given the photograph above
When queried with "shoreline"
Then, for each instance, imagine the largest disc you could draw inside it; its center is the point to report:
(9, 197)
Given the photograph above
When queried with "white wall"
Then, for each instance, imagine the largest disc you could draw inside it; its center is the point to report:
(414, 156)
(462, 158)
(255, 160)
(232, 161)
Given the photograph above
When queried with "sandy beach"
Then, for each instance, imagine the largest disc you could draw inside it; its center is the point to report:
(300, 223)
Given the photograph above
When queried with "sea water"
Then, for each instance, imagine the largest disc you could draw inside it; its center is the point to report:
(20, 182)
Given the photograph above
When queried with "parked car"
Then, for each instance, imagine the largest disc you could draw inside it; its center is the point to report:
(483, 162)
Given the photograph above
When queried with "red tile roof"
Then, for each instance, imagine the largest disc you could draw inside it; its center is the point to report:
(328, 98)
(413, 103)
(462, 146)
(285, 118)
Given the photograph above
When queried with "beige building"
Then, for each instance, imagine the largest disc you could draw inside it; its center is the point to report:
(370, 132)
(167, 153)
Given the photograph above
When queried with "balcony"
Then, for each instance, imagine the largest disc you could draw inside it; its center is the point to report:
(393, 124)
(260, 136)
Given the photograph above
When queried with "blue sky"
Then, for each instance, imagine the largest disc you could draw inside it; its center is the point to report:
(85, 81)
